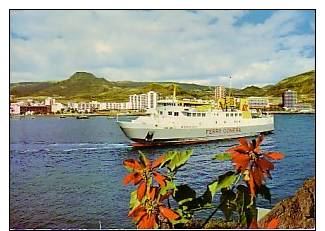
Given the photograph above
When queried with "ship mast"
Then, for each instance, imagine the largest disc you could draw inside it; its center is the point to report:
(174, 94)
(228, 93)
(229, 86)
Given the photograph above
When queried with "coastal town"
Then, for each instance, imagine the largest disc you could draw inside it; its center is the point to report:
(161, 119)
(144, 103)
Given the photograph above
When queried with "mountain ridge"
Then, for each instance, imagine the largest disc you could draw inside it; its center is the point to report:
(86, 86)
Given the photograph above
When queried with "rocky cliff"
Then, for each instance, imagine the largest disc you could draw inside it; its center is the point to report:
(297, 212)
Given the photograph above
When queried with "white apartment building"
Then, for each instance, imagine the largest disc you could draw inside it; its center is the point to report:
(290, 99)
(258, 102)
(49, 101)
(152, 100)
(94, 105)
(143, 101)
(90, 106)
(14, 109)
(220, 92)
(84, 106)
(136, 102)
(57, 107)
(115, 106)
(72, 105)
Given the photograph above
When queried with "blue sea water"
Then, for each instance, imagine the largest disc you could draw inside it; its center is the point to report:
(67, 173)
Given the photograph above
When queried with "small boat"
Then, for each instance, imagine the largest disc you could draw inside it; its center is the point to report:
(82, 117)
(63, 116)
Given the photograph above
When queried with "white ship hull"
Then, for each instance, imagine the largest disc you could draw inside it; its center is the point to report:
(146, 134)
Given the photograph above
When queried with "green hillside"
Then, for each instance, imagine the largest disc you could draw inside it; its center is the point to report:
(303, 83)
(79, 84)
(28, 88)
(251, 91)
(83, 86)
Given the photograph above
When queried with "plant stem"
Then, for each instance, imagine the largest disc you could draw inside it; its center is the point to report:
(207, 220)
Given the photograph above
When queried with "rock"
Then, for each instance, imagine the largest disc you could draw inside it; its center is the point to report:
(297, 212)
(212, 224)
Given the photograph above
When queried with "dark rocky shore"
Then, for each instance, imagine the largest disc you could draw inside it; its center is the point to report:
(296, 212)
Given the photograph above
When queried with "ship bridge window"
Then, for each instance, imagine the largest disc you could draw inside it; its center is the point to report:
(199, 114)
(194, 114)
(236, 114)
(176, 113)
(160, 112)
(231, 114)
(170, 113)
(239, 114)
(203, 114)
(227, 115)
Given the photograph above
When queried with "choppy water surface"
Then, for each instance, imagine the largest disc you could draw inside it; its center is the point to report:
(67, 173)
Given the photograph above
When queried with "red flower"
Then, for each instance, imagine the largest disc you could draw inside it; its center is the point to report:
(141, 173)
(248, 158)
(149, 214)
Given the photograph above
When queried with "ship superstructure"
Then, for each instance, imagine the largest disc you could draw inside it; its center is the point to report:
(181, 121)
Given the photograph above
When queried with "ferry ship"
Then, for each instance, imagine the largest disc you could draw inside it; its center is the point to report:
(181, 122)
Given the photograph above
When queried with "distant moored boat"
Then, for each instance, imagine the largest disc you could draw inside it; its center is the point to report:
(82, 117)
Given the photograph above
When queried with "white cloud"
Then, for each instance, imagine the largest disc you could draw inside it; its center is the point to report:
(201, 47)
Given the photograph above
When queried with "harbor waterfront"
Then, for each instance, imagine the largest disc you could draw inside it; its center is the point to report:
(67, 173)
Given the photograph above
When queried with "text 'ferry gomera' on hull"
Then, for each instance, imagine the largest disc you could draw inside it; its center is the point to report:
(184, 121)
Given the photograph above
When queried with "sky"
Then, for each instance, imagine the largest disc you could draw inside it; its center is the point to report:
(258, 47)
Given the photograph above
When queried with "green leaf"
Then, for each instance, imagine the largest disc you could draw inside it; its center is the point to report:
(184, 192)
(134, 200)
(265, 192)
(142, 157)
(246, 207)
(174, 160)
(169, 185)
(207, 196)
(198, 204)
(186, 198)
(222, 156)
(227, 203)
(184, 218)
(224, 181)
(184, 201)
(242, 201)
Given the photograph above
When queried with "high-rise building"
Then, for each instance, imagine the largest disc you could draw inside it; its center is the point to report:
(134, 101)
(143, 101)
(289, 99)
(152, 100)
(220, 92)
